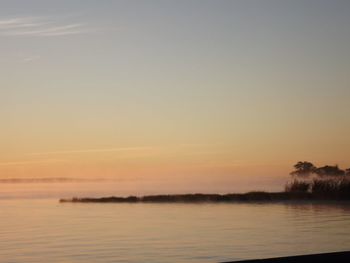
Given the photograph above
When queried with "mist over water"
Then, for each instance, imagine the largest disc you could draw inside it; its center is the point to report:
(96, 187)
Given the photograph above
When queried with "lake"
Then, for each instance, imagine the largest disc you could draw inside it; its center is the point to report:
(44, 230)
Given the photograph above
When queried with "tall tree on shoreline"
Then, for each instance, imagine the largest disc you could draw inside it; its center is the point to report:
(329, 170)
(303, 169)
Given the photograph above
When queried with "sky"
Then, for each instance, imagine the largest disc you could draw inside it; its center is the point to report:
(186, 95)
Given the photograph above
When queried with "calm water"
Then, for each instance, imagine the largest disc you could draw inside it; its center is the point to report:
(47, 231)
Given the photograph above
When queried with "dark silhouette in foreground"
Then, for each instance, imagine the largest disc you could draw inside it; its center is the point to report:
(338, 257)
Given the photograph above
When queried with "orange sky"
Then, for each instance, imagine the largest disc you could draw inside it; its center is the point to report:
(216, 93)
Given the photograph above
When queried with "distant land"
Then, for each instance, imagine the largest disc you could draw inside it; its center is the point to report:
(309, 183)
(211, 198)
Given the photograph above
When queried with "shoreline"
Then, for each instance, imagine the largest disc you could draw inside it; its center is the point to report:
(210, 198)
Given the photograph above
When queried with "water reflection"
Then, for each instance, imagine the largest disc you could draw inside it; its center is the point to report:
(38, 230)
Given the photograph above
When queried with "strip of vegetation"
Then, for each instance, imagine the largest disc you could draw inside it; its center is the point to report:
(196, 198)
(329, 182)
(308, 183)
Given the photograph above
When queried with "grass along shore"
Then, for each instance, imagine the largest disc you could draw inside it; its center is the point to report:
(211, 198)
(329, 188)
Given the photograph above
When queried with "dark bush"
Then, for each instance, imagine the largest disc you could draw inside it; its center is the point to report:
(325, 187)
(329, 170)
(298, 186)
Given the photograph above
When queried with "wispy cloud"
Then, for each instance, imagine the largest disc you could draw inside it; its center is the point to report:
(121, 149)
(39, 27)
(44, 180)
(30, 59)
(16, 163)
(28, 180)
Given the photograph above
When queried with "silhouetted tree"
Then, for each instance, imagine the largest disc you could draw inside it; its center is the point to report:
(298, 185)
(303, 169)
(332, 182)
(329, 170)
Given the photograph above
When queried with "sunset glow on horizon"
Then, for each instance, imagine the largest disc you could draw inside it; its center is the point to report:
(193, 96)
